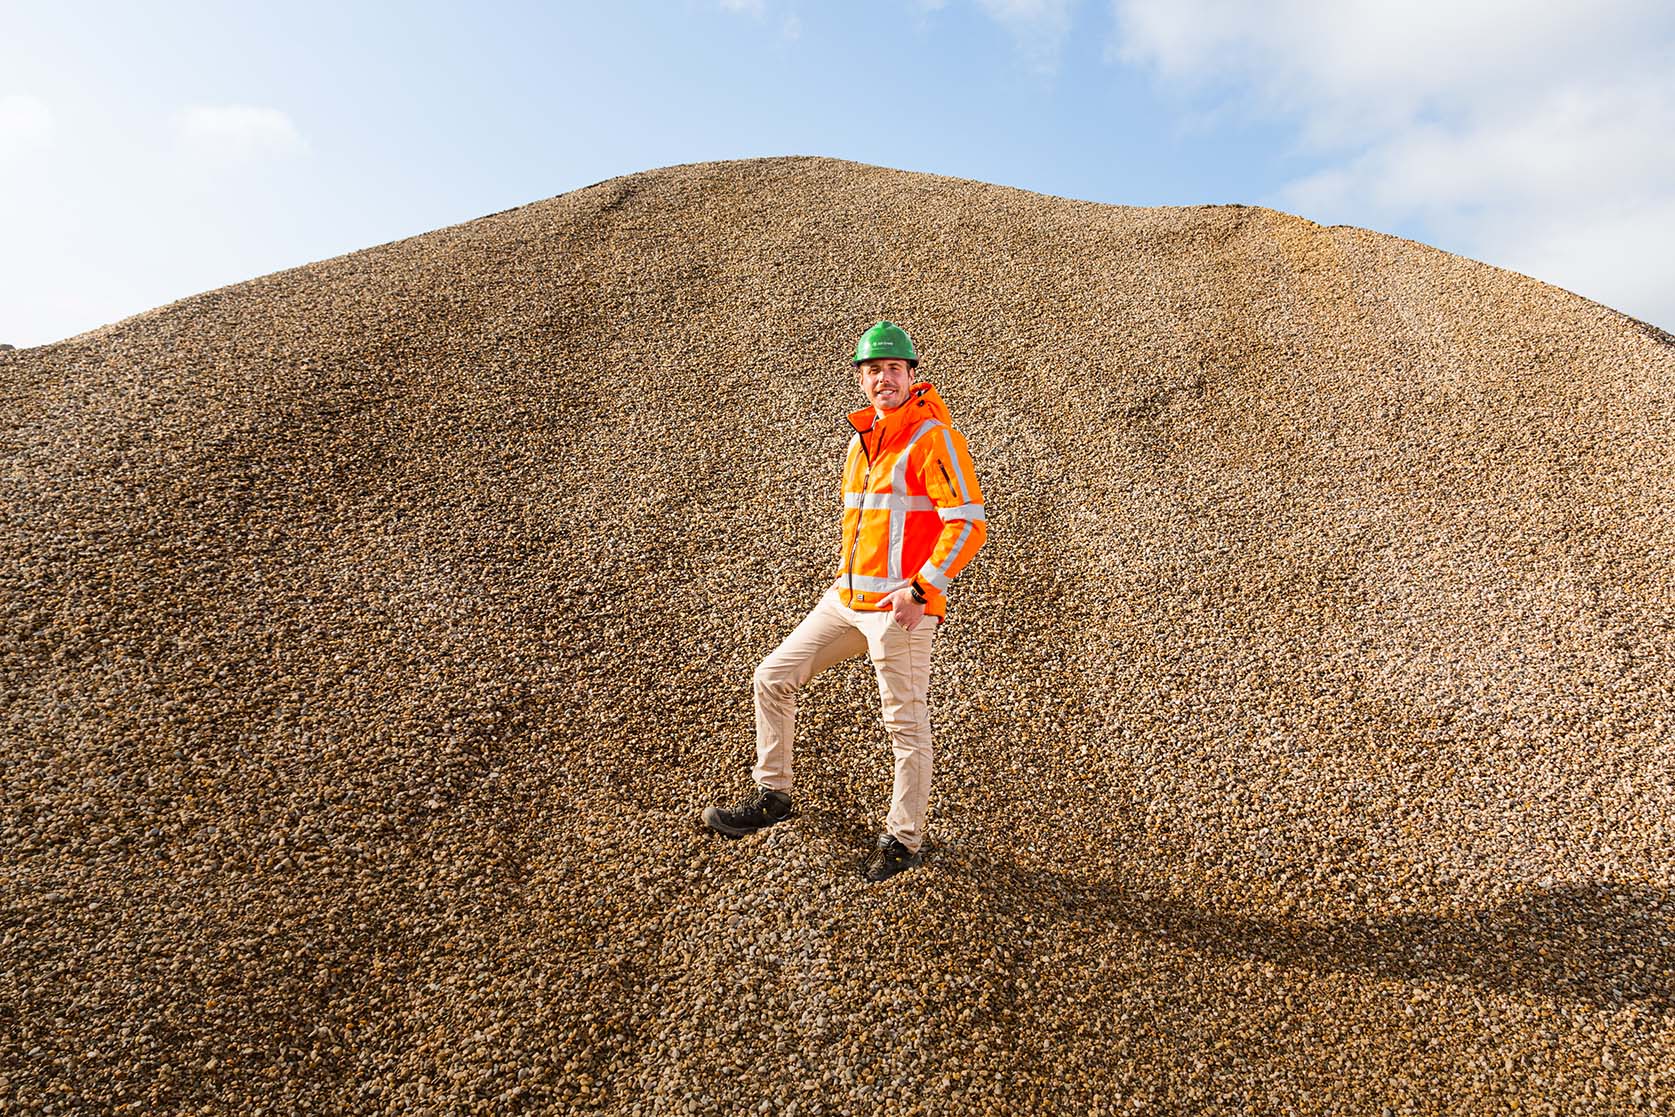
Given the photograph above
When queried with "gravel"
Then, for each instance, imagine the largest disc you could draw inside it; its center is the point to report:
(372, 634)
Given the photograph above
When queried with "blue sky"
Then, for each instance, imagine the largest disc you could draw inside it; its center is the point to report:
(148, 152)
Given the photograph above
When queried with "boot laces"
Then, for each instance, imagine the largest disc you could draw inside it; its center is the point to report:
(754, 805)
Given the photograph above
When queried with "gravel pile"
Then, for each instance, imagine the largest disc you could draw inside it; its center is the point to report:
(371, 635)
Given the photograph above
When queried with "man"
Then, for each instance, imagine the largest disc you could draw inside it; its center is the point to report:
(912, 519)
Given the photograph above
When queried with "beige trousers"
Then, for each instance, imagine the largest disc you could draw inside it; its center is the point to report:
(902, 660)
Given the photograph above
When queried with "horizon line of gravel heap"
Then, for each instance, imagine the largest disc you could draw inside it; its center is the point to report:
(373, 633)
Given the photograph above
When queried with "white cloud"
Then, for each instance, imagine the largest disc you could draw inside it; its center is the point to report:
(1039, 27)
(239, 132)
(752, 7)
(25, 123)
(1374, 63)
(1566, 148)
(1533, 136)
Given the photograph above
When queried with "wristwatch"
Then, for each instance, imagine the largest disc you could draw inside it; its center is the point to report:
(918, 594)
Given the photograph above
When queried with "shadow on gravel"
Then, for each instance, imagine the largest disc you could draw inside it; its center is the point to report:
(1606, 944)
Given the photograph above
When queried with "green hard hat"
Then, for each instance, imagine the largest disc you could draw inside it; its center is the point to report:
(886, 340)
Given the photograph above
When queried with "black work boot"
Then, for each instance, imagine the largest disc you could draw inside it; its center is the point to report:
(890, 858)
(756, 811)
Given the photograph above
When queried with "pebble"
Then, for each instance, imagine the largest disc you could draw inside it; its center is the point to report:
(372, 633)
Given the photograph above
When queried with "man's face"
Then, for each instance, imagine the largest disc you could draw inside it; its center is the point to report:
(885, 382)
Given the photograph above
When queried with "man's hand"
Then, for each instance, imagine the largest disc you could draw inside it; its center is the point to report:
(908, 612)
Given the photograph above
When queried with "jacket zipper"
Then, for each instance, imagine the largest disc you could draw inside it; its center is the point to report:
(866, 486)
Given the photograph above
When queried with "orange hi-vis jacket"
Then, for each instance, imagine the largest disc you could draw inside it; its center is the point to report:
(911, 506)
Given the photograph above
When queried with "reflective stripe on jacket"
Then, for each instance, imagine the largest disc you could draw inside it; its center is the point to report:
(911, 505)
